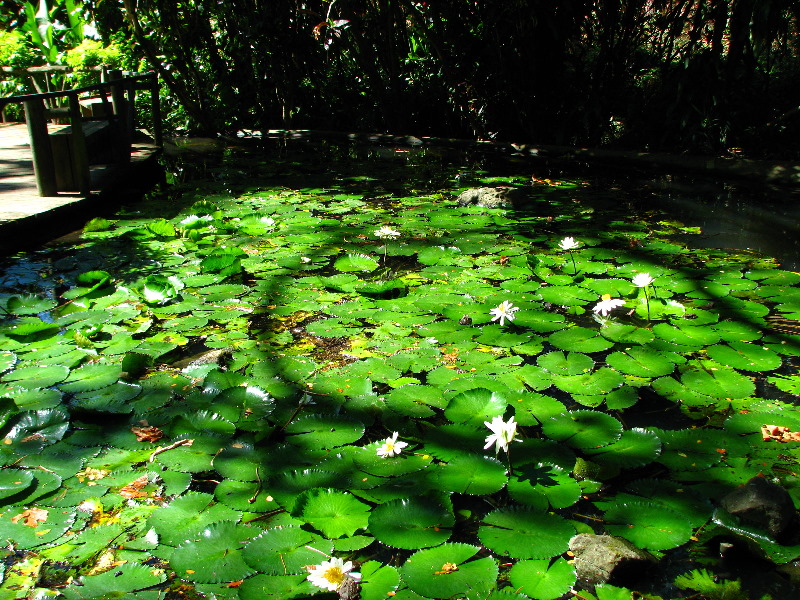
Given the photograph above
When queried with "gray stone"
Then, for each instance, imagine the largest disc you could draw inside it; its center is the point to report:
(763, 504)
(491, 197)
(599, 557)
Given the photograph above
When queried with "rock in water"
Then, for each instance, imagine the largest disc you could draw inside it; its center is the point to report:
(598, 558)
(492, 197)
(764, 504)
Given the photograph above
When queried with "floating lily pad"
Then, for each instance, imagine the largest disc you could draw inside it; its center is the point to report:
(641, 362)
(525, 533)
(471, 474)
(32, 526)
(543, 579)
(353, 263)
(475, 406)
(285, 550)
(324, 431)
(744, 356)
(583, 429)
(214, 554)
(412, 523)
(37, 377)
(184, 517)
(635, 448)
(648, 525)
(332, 512)
(579, 339)
(540, 485)
(446, 571)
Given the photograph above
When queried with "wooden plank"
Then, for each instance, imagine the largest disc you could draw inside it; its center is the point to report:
(43, 166)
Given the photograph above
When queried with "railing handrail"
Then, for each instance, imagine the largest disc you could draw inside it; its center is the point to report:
(75, 91)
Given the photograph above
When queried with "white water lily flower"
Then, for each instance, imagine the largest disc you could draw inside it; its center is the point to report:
(569, 243)
(267, 220)
(331, 574)
(504, 311)
(305, 260)
(642, 280)
(606, 305)
(192, 219)
(391, 447)
(503, 433)
(387, 232)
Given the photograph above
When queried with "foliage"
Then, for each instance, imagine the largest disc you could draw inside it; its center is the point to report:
(200, 397)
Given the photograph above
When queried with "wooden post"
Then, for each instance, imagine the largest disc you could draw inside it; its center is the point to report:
(43, 166)
(80, 157)
(118, 98)
(158, 134)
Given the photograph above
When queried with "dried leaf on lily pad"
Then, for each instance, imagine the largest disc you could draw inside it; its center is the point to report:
(779, 434)
(147, 433)
(31, 517)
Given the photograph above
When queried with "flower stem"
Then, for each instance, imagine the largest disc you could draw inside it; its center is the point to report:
(647, 301)
(574, 266)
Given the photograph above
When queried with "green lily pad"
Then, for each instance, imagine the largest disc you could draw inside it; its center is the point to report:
(412, 523)
(641, 362)
(525, 533)
(332, 512)
(428, 571)
(91, 377)
(471, 474)
(29, 304)
(599, 382)
(214, 554)
(37, 377)
(32, 526)
(285, 550)
(128, 577)
(635, 448)
(541, 485)
(579, 339)
(543, 579)
(584, 429)
(14, 481)
(744, 356)
(324, 431)
(186, 516)
(475, 406)
(648, 525)
(354, 263)
(571, 363)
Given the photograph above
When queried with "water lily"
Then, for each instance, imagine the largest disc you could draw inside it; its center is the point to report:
(505, 310)
(642, 279)
(503, 433)
(607, 304)
(391, 447)
(386, 232)
(569, 243)
(331, 574)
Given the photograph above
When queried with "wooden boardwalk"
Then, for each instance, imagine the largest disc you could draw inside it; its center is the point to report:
(19, 198)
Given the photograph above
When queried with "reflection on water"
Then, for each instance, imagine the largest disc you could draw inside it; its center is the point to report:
(761, 219)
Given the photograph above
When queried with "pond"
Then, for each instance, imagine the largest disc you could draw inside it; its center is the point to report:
(306, 369)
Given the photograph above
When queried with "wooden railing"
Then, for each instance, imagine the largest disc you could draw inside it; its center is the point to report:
(61, 157)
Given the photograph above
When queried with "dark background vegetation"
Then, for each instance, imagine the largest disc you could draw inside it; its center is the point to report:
(699, 76)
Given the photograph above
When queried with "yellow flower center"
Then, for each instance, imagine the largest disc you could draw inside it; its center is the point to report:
(334, 575)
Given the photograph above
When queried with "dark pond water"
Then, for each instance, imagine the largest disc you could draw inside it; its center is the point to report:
(732, 214)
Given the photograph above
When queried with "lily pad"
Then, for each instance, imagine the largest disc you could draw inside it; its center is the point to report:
(584, 429)
(447, 571)
(412, 523)
(525, 533)
(214, 554)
